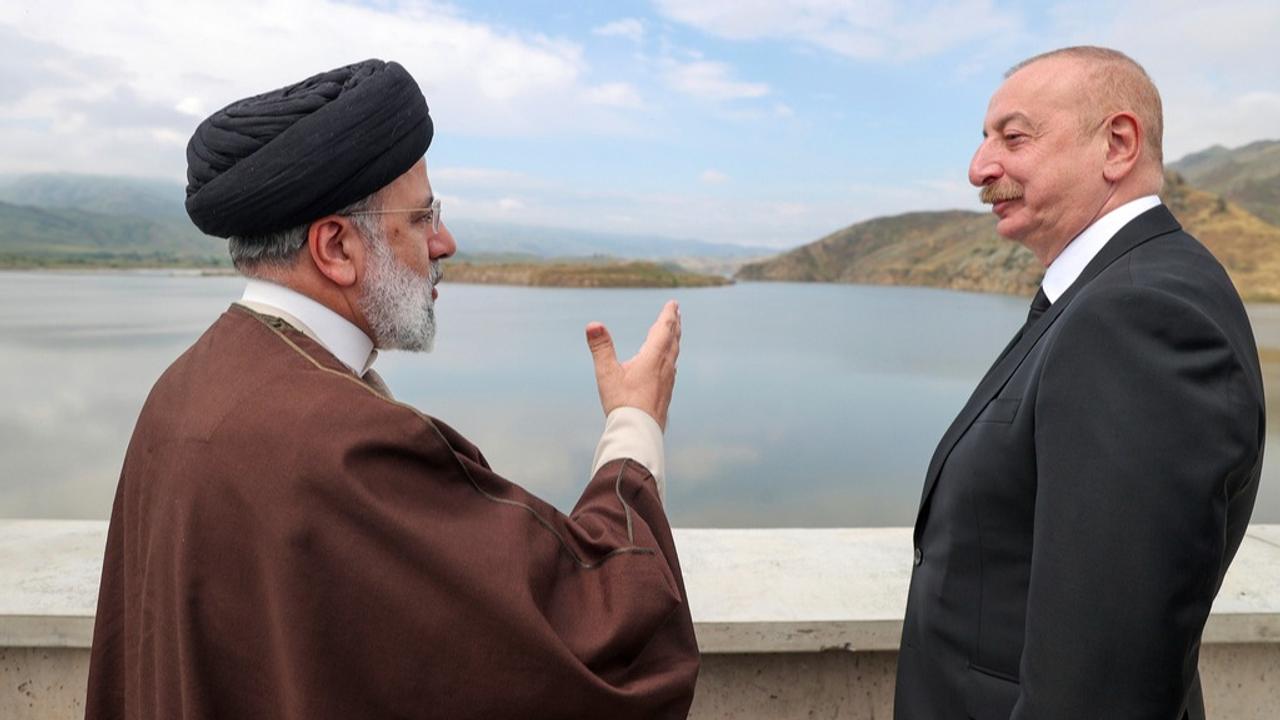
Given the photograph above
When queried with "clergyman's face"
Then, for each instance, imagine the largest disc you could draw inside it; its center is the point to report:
(1037, 166)
(402, 266)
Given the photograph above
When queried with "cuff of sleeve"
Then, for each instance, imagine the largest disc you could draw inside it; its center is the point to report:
(632, 433)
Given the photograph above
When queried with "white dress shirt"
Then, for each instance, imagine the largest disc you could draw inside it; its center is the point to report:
(337, 334)
(1066, 268)
(628, 432)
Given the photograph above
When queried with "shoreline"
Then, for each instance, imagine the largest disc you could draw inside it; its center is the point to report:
(183, 271)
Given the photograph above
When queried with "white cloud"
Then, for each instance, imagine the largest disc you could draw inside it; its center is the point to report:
(617, 95)
(712, 177)
(711, 81)
(1215, 65)
(868, 200)
(1196, 118)
(629, 28)
(192, 106)
(97, 80)
(511, 204)
(791, 209)
(165, 136)
(866, 30)
(473, 177)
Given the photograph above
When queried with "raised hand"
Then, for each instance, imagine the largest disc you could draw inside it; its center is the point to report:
(646, 380)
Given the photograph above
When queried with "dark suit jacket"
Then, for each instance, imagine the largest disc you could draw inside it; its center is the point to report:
(1080, 513)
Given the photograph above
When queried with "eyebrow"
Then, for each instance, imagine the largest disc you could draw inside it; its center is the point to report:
(1006, 119)
(430, 199)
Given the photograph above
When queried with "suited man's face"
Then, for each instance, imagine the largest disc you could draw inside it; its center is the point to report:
(1038, 164)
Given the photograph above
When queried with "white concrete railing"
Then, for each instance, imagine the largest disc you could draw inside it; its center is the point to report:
(765, 602)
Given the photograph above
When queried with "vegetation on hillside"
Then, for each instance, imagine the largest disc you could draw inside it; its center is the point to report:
(579, 275)
(1230, 199)
(961, 251)
(33, 236)
(1248, 176)
(1247, 245)
(952, 249)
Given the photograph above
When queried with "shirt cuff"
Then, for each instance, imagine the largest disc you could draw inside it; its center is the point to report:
(632, 433)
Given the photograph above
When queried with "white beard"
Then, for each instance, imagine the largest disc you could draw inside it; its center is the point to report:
(397, 301)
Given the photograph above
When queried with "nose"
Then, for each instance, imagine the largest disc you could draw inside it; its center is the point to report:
(441, 245)
(984, 168)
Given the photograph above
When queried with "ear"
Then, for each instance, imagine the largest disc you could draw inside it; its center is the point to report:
(1124, 136)
(336, 249)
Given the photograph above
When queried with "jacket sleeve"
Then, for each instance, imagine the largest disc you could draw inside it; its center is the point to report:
(1145, 430)
(403, 577)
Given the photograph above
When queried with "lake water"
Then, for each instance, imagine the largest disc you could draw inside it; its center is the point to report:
(797, 405)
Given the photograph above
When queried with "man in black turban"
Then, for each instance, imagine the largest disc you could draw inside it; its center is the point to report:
(288, 541)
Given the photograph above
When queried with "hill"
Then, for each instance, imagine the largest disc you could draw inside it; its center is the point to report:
(952, 249)
(155, 209)
(39, 237)
(579, 275)
(1247, 245)
(147, 199)
(960, 250)
(1248, 175)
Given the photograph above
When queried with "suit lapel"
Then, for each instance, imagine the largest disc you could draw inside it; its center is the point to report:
(1152, 223)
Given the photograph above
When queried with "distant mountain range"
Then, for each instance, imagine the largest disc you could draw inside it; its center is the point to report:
(60, 219)
(35, 236)
(960, 250)
(1248, 176)
(1228, 198)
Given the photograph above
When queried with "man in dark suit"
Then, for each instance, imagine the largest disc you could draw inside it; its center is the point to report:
(1080, 513)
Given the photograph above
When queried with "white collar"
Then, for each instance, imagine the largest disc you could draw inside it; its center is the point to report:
(1066, 268)
(346, 341)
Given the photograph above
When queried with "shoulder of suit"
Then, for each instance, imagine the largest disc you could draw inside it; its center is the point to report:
(1175, 263)
(1127, 312)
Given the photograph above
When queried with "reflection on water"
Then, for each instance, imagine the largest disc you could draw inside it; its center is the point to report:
(796, 405)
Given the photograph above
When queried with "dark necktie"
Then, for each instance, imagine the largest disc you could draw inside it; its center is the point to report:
(1039, 304)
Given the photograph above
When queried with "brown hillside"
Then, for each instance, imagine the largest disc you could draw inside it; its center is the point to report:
(1248, 176)
(1247, 246)
(960, 250)
(953, 249)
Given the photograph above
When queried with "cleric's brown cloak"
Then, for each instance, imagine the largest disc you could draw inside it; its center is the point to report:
(287, 543)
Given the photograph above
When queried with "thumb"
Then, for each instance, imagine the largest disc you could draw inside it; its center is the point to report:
(601, 344)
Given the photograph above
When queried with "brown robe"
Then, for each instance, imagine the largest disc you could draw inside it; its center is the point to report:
(288, 543)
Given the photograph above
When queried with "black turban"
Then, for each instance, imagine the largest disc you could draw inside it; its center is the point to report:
(286, 157)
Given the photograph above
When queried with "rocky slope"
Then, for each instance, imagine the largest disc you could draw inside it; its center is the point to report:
(960, 250)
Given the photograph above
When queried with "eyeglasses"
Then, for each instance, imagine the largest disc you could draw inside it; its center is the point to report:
(433, 213)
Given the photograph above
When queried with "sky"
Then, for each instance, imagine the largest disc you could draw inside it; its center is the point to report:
(756, 122)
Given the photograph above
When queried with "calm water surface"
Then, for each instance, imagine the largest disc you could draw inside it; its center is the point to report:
(796, 405)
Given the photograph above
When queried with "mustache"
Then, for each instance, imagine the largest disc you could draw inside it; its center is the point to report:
(999, 192)
(435, 273)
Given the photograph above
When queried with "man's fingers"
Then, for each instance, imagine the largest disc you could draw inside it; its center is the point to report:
(601, 344)
(671, 315)
(665, 329)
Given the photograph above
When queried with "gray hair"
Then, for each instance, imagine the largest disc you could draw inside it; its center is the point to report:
(264, 255)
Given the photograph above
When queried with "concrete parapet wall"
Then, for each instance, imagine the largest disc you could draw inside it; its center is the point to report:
(792, 623)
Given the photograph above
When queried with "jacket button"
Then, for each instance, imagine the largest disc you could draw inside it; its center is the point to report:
(919, 557)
